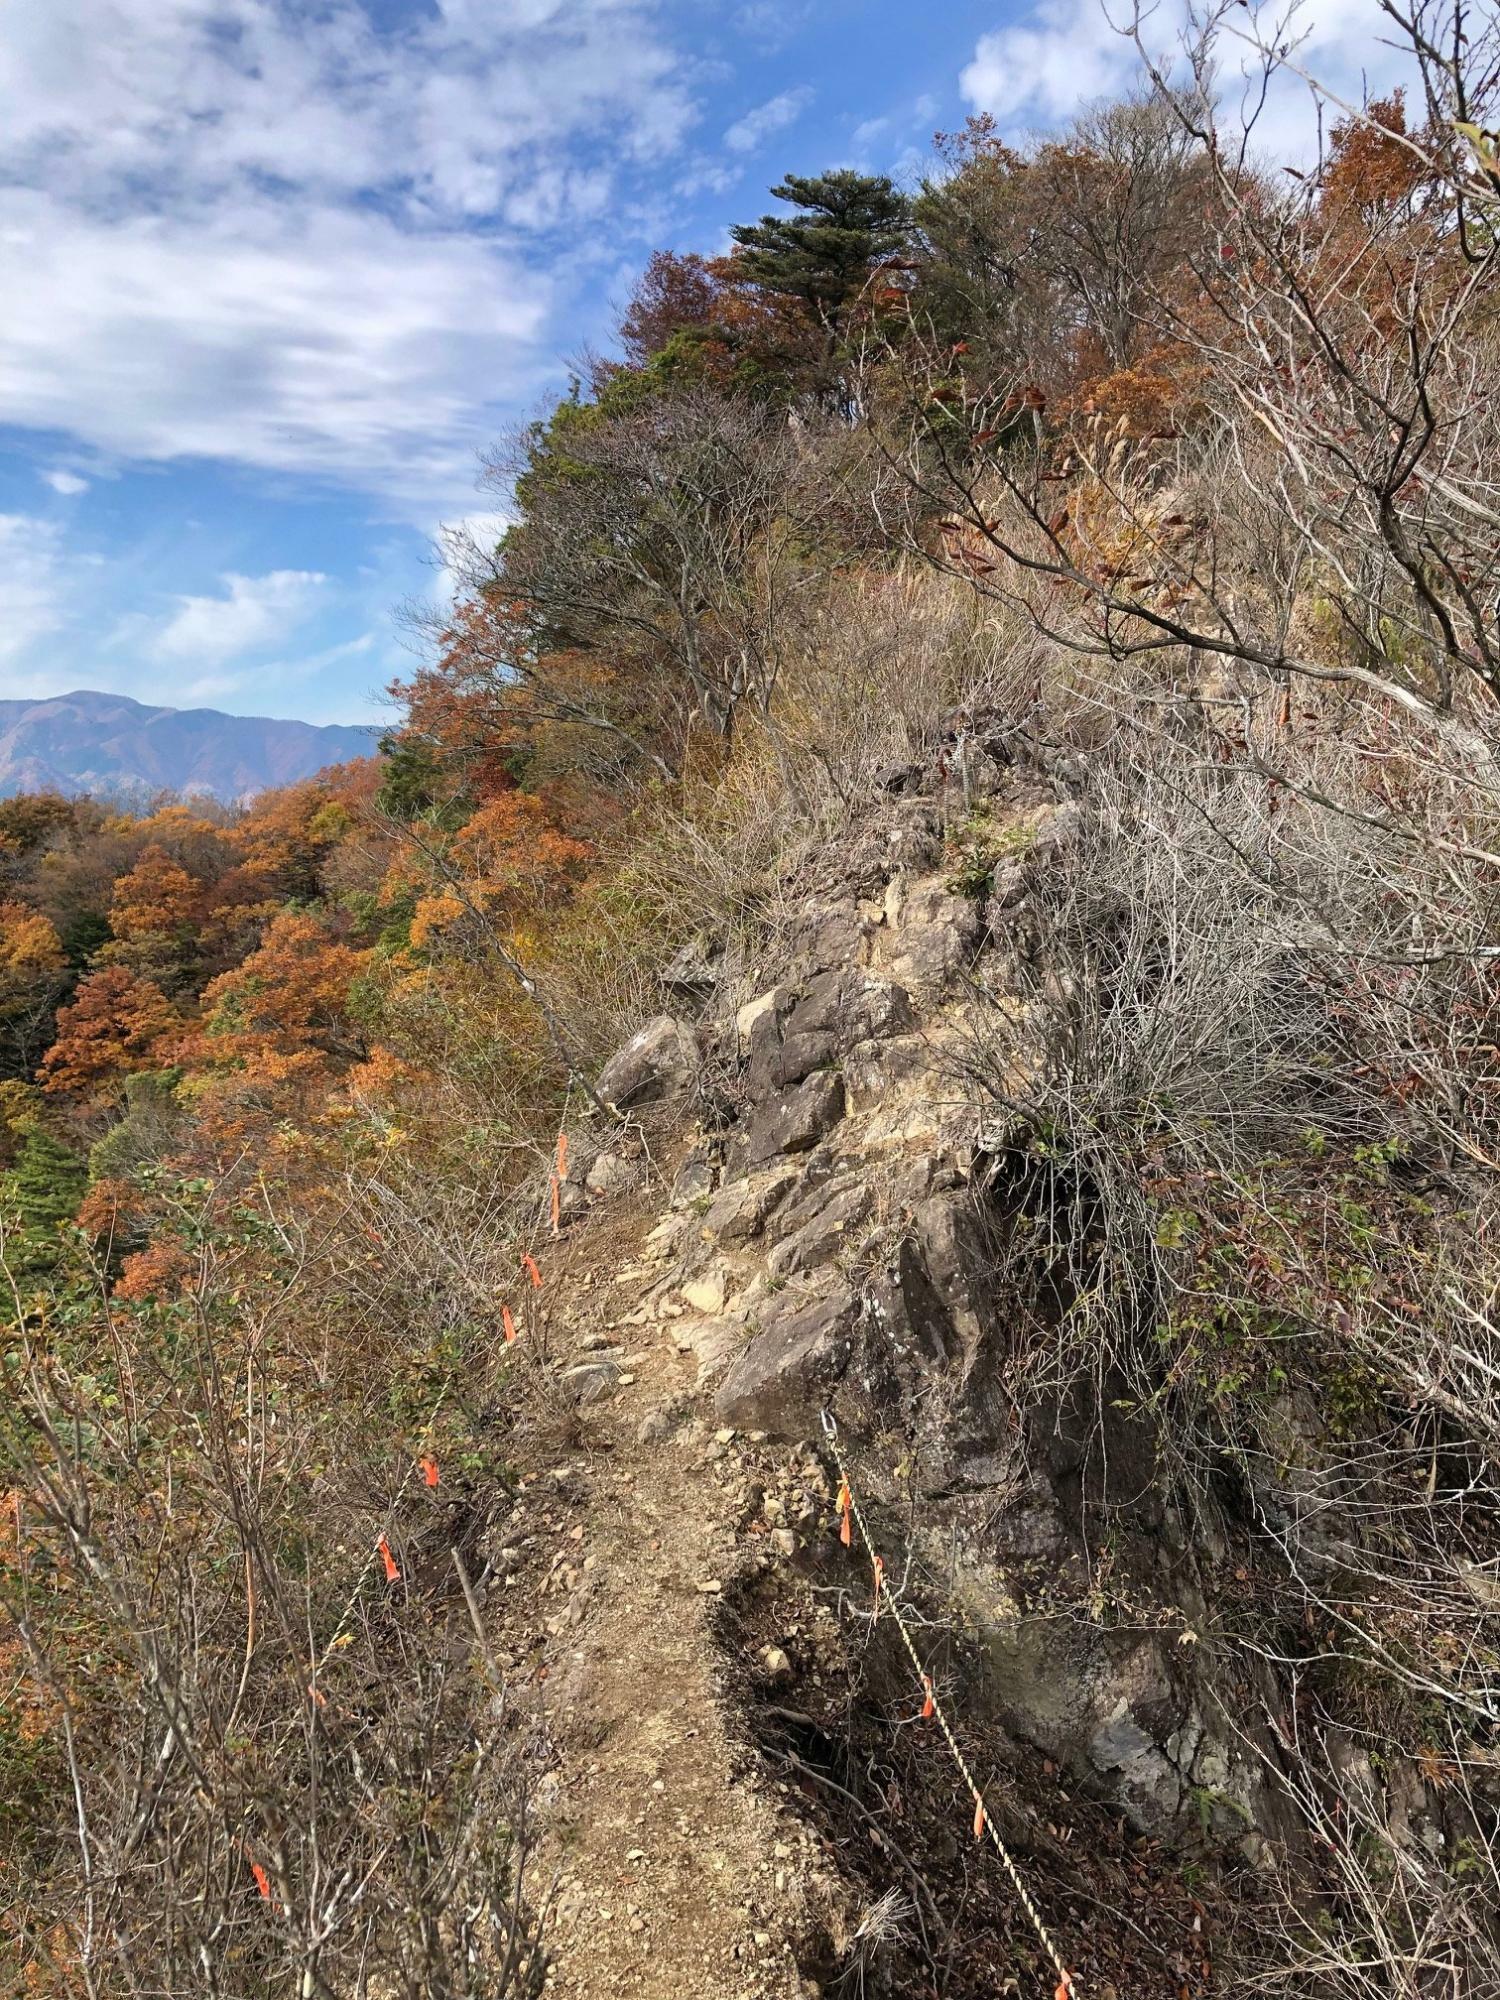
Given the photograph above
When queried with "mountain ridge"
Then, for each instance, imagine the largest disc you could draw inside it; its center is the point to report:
(88, 741)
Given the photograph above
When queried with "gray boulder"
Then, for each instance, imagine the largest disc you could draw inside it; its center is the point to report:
(740, 1211)
(823, 1225)
(659, 1061)
(793, 1121)
(791, 1367)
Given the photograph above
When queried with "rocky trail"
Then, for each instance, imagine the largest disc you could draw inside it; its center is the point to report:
(675, 1869)
(733, 1802)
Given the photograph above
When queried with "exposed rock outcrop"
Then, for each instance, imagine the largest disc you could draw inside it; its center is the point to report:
(840, 1245)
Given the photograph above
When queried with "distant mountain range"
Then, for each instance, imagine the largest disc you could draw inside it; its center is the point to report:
(108, 744)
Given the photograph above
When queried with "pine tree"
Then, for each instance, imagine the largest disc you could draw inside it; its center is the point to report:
(43, 1191)
(823, 256)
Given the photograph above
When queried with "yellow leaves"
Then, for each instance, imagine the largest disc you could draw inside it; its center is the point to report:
(433, 915)
(156, 897)
(29, 945)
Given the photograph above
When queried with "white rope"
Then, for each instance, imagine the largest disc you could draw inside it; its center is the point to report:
(984, 1819)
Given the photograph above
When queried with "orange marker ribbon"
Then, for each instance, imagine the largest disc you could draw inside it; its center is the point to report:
(879, 1580)
(846, 1509)
(262, 1880)
(1064, 1988)
(979, 1819)
(529, 1266)
(556, 1205)
(562, 1156)
(507, 1321)
(319, 1699)
(392, 1572)
(928, 1707)
(429, 1468)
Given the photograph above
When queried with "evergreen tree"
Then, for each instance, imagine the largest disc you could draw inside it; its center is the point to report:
(823, 256)
(412, 780)
(43, 1191)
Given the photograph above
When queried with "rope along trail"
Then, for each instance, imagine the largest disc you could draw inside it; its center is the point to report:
(931, 1706)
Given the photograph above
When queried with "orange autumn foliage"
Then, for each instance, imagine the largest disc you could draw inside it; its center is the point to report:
(114, 1025)
(516, 857)
(162, 1270)
(157, 896)
(1371, 169)
(289, 999)
(109, 1205)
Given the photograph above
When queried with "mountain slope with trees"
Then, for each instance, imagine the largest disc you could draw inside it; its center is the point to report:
(108, 744)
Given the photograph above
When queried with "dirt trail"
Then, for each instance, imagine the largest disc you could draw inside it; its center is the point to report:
(676, 1876)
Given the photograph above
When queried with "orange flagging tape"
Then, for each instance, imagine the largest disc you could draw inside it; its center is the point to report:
(319, 1699)
(849, 1511)
(392, 1573)
(562, 1156)
(556, 1206)
(430, 1473)
(262, 1880)
(529, 1266)
(507, 1321)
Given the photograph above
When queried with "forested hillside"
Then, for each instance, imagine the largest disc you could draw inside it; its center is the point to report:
(1065, 595)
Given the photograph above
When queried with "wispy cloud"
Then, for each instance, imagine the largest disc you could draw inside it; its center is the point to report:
(252, 614)
(1039, 70)
(68, 484)
(902, 132)
(751, 131)
(312, 240)
(33, 586)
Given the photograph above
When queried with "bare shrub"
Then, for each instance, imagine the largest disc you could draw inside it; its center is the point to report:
(1326, 510)
(267, 1761)
(1243, 1151)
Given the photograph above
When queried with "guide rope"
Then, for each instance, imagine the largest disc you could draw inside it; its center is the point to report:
(887, 1602)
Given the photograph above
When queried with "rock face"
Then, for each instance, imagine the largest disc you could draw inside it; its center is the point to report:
(793, 1120)
(831, 1241)
(791, 1367)
(659, 1061)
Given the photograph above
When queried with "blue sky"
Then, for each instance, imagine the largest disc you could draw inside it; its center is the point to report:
(275, 271)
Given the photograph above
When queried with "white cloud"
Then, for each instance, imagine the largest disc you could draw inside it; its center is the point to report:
(302, 237)
(1043, 67)
(329, 342)
(752, 131)
(253, 614)
(1038, 71)
(33, 588)
(68, 484)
